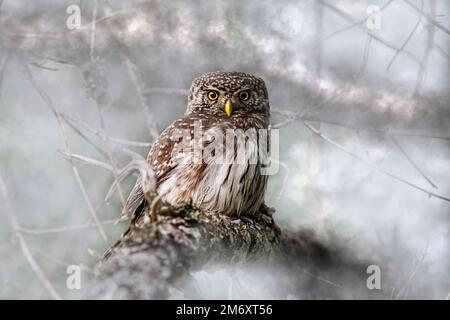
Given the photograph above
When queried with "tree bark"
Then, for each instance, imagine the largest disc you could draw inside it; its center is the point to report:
(157, 256)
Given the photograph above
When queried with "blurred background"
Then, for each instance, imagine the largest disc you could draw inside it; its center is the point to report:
(372, 77)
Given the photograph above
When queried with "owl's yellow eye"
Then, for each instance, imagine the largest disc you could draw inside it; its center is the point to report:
(213, 95)
(244, 95)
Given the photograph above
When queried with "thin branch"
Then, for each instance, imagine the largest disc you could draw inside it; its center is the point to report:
(402, 150)
(404, 289)
(73, 120)
(285, 179)
(123, 174)
(46, 231)
(405, 42)
(299, 115)
(5, 58)
(105, 19)
(428, 16)
(59, 119)
(356, 23)
(384, 42)
(365, 55)
(395, 177)
(292, 117)
(426, 55)
(441, 51)
(65, 264)
(134, 75)
(318, 18)
(85, 138)
(87, 160)
(92, 31)
(322, 279)
(176, 91)
(40, 65)
(137, 164)
(23, 244)
(100, 104)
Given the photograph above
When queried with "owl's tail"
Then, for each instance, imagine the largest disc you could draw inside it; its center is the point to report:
(108, 253)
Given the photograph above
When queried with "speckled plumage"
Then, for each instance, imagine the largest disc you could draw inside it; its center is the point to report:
(229, 188)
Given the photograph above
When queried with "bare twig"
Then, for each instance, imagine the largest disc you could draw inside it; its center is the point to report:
(379, 39)
(100, 104)
(285, 180)
(123, 174)
(175, 91)
(88, 160)
(133, 73)
(365, 55)
(140, 165)
(40, 65)
(92, 31)
(73, 120)
(356, 23)
(426, 55)
(395, 177)
(299, 115)
(402, 150)
(292, 117)
(22, 242)
(318, 18)
(110, 16)
(46, 231)
(405, 42)
(65, 264)
(112, 160)
(442, 51)
(5, 58)
(59, 119)
(322, 279)
(428, 16)
(404, 289)
(85, 138)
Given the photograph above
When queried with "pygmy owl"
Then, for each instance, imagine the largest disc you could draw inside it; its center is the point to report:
(184, 162)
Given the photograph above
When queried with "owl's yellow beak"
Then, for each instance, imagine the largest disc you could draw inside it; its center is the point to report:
(228, 108)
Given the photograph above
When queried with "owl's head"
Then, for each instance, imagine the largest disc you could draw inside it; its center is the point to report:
(231, 95)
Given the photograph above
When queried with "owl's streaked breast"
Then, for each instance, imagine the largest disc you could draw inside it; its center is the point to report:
(234, 185)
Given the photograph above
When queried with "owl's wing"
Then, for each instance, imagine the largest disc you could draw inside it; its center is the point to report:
(134, 199)
(160, 159)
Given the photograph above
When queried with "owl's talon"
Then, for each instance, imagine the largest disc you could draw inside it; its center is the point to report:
(246, 219)
(266, 210)
(153, 208)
